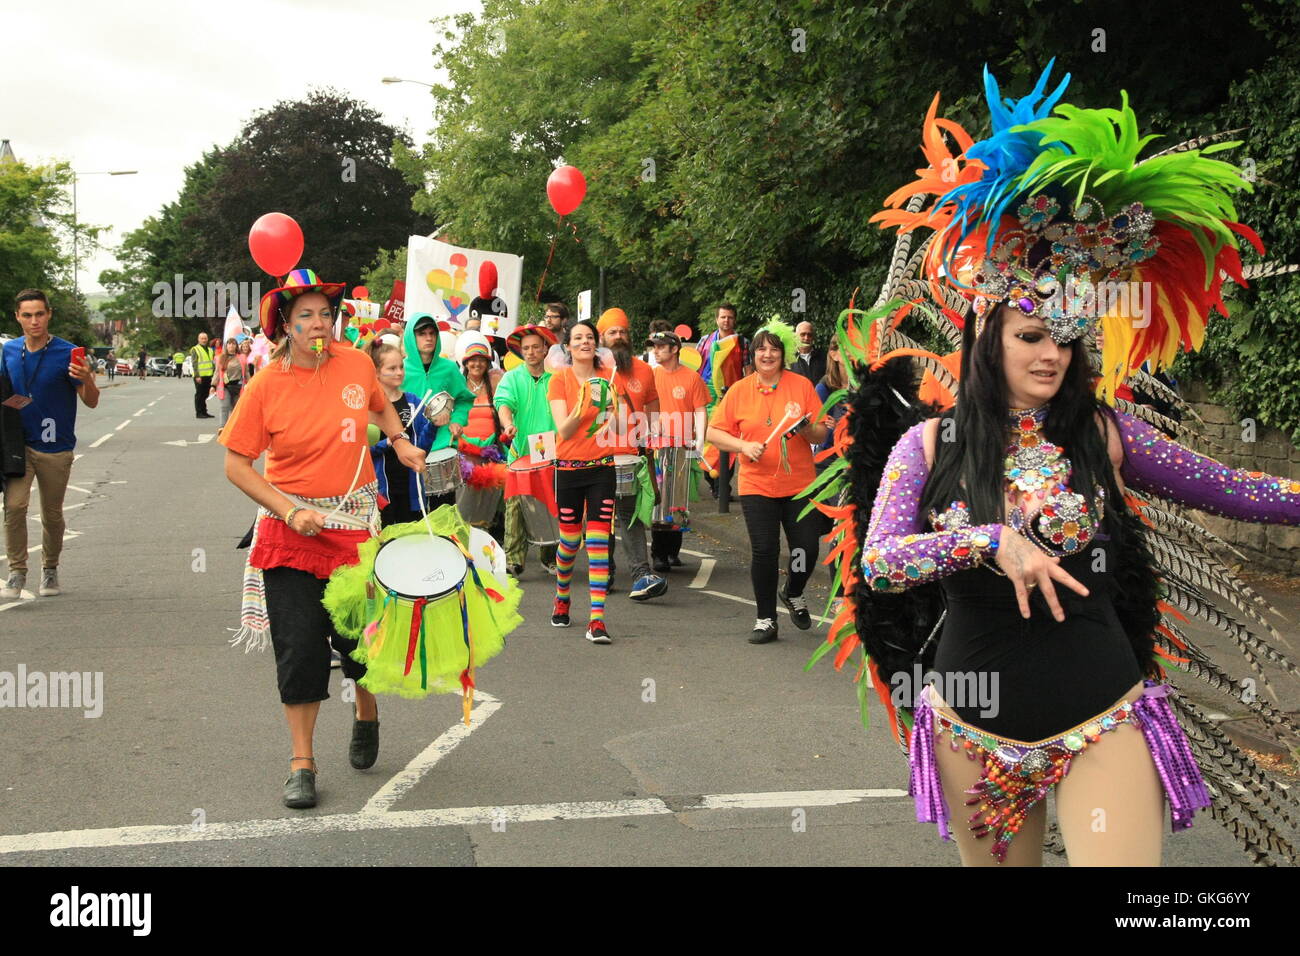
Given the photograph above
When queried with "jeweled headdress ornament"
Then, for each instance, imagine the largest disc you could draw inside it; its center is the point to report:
(1055, 215)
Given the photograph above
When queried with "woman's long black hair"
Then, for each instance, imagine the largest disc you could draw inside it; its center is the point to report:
(568, 339)
(970, 452)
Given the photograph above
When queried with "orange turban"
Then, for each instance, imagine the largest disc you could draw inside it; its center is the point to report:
(612, 319)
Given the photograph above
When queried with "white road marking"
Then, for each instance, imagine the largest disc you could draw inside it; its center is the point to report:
(413, 819)
(100, 440)
(781, 609)
(123, 425)
(696, 554)
(140, 412)
(182, 443)
(84, 491)
(403, 782)
(702, 575)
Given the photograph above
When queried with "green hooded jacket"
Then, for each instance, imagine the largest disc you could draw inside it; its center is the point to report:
(443, 376)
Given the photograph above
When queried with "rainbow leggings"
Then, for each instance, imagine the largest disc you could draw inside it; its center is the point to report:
(584, 493)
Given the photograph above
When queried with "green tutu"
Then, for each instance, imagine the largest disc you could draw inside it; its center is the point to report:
(413, 648)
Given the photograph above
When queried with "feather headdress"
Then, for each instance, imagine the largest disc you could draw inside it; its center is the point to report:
(1055, 214)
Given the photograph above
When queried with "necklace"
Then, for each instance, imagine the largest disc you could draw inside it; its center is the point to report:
(475, 388)
(767, 391)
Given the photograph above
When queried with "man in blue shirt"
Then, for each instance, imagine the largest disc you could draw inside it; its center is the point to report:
(46, 383)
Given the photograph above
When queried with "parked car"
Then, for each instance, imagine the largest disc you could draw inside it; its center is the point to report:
(160, 366)
(124, 367)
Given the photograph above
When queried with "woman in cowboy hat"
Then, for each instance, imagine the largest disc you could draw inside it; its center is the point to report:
(308, 411)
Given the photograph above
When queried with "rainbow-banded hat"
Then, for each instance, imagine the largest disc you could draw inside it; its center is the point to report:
(471, 343)
(514, 341)
(296, 283)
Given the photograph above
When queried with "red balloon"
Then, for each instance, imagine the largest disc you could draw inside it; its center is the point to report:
(487, 279)
(683, 332)
(360, 292)
(566, 188)
(381, 324)
(276, 243)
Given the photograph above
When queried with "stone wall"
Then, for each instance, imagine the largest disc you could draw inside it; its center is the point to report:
(1273, 548)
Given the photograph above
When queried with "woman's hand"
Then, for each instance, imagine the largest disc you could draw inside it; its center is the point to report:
(1027, 567)
(753, 450)
(410, 455)
(307, 522)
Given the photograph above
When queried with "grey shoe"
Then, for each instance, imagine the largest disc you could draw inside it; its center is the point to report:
(300, 789)
(14, 586)
(50, 582)
(364, 749)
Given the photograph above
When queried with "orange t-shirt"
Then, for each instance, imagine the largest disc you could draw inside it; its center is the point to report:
(564, 386)
(752, 416)
(636, 389)
(681, 392)
(311, 424)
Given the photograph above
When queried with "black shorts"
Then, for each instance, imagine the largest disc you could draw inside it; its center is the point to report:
(301, 633)
(585, 489)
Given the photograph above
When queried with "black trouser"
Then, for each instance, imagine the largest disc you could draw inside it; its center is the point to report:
(765, 517)
(301, 633)
(201, 388)
(665, 542)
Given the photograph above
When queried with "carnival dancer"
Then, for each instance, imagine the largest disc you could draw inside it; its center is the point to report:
(682, 421)
(769, 419)
(403, 488)
(1031, 503)
(308, 410)
(634, 381)
(583, 408)
(521, 401)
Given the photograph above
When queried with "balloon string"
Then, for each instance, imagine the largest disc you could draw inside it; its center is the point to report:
(574, 227)
(549, 256)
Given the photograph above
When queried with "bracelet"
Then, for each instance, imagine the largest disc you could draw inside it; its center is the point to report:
(393, 438)
(288, 518)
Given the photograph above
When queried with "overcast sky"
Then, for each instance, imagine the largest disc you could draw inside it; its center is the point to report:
(150, 86)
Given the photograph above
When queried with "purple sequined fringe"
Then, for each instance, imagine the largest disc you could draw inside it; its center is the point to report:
(1184, 785)
(924, 786)
(1181, 777)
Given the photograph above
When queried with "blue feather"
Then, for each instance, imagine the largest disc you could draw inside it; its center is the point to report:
(1006, 154)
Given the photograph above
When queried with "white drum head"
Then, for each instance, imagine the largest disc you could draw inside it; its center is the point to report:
(442, 454)
(487, 553)
(437, 405)
(418, 566)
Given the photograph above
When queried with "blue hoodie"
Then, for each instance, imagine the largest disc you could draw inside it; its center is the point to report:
(423, 433)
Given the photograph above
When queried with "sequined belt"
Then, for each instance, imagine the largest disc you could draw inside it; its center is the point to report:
(1017, 775)
(567, 464)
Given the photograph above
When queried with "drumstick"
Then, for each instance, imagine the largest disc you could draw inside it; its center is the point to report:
(427, 396)
(779, 428)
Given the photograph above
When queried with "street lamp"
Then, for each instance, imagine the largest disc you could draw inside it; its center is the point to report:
(398, 79)
(75, 174)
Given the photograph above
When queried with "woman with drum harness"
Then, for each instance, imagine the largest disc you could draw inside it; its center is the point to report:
(308, 410)
(582, 405)
(479, 499)
(766, 418)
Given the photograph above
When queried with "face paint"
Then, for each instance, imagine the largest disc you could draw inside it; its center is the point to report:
(297, 327)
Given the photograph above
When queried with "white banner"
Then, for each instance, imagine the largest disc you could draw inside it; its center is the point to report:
(449, 282)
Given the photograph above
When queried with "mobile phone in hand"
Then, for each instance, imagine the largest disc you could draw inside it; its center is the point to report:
(78, 356)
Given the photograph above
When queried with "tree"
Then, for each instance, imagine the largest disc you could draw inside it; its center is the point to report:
(35, 209)
(325, 161)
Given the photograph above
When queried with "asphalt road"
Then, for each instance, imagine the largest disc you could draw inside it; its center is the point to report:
(679, 744)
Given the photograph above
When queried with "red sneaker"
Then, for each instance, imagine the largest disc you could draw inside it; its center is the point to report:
(560, 615)
(597, 634)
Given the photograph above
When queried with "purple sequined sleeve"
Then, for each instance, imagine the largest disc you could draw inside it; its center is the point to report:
(1158, 466)
(897, 554)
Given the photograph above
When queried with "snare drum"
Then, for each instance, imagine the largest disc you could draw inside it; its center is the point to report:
(478, 506)
(674, 473)
(627, 479)
(442, 472)
(414, 644)
(534, 486)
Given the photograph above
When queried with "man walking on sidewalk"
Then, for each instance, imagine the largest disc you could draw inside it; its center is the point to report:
(204, 364)
(46, 383)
